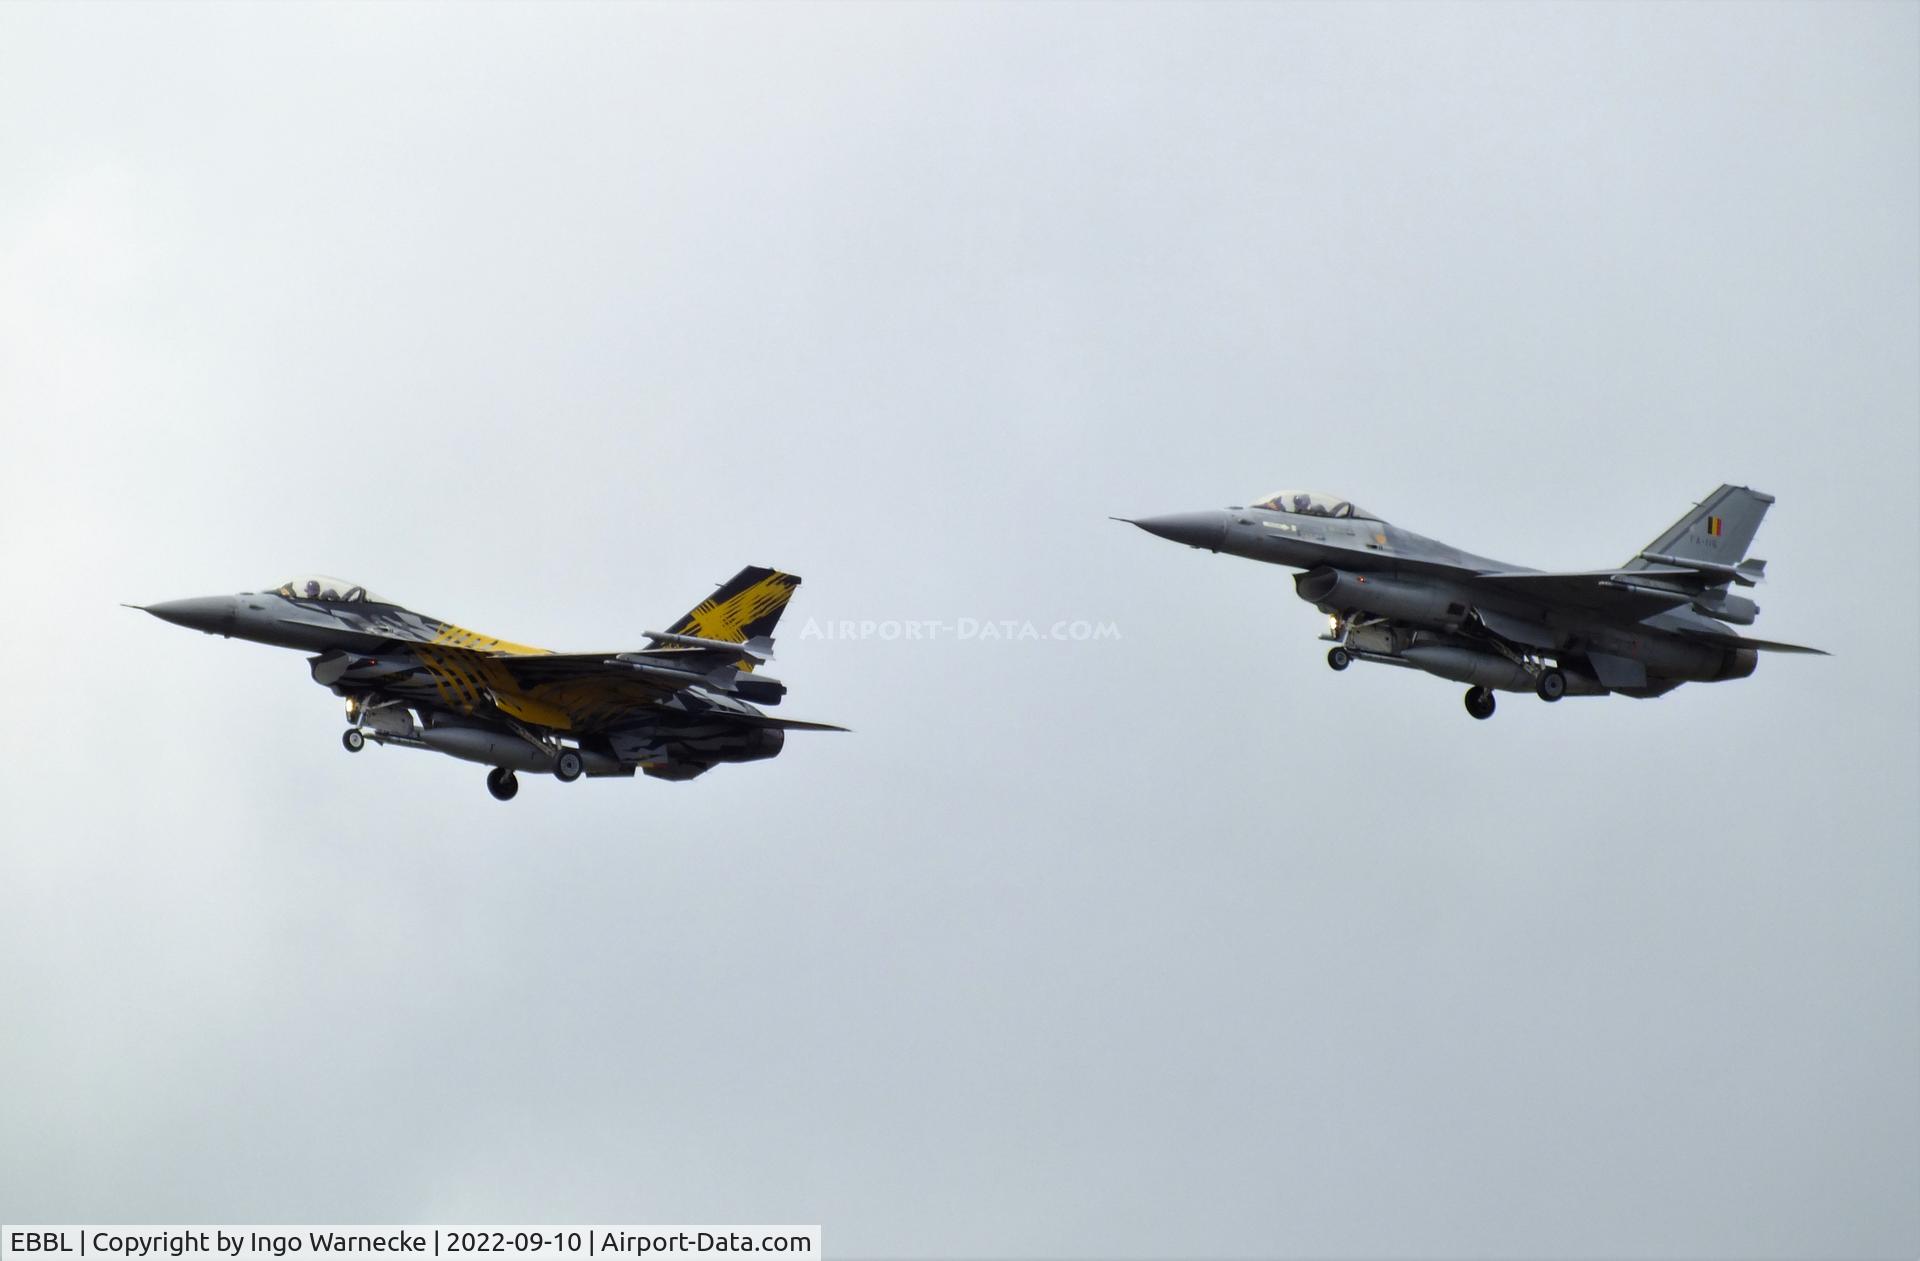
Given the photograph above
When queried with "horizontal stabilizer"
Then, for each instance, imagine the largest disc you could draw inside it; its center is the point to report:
(780, 724)
(1730, 640)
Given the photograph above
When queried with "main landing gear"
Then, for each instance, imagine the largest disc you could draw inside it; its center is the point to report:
(502, 783)
(1480, 702)
(567, 766)
(1551, 685)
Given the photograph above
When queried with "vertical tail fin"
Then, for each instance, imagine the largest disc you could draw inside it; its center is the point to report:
(1719, 530)
(747, 606)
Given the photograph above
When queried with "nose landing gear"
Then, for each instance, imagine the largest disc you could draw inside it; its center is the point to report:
(352, 740)
(502, 783)
(1480, 702)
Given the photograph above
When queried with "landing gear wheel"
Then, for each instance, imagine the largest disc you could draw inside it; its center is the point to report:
(1339, 658)
(1480, 702)
(1551, 686)
(502, 783)
(567, 767)
(353, 740)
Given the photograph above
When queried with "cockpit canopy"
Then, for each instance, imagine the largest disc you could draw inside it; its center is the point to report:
(1307, 504)
(321, 587)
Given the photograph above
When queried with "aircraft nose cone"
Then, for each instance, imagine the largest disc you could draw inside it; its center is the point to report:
(213, 614)
(1195, 529)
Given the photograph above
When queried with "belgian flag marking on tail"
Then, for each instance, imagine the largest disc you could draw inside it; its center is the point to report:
(1713, 526)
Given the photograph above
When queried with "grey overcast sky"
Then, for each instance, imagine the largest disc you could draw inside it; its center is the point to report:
(1171, 943)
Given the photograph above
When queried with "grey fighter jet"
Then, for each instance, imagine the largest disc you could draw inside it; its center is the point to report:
(1394, 597)
(673, 709)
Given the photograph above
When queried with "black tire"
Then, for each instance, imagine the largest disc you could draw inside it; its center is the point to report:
(1551, 686)
(502, 783)
(352, 740)
(1480, 703)
(1339, 658)
(567, 767)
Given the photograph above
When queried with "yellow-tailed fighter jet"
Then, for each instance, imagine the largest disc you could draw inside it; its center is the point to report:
(672, 709)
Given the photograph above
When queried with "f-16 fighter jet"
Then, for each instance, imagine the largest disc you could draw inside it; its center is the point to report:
(1394, 597)
(672, 709)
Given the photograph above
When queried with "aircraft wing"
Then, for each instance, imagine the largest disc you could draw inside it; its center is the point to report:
(560, 691)
(670, 670)
(1605, 590)
(1613, 591)
(664, 669)
(588, 691)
